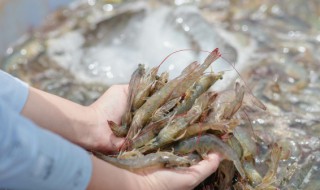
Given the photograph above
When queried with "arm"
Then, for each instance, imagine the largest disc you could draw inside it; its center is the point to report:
(84, 125)
(33, 158)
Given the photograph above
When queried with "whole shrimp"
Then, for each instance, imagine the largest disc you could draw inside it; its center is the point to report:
(199, 128)
(122, 130)
(270, 176)
(195, 75)
(144, 88)
(148, 133)
(164, 110)
(207, 143)
(118, 130)
(162, 159)
(248, 145)
(199, 87)
(223, 109)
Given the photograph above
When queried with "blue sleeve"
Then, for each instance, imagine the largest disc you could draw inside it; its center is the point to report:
(34, 158)
(13, 91)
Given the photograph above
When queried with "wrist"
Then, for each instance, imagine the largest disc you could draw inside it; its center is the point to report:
(106, 176)
(83, 123)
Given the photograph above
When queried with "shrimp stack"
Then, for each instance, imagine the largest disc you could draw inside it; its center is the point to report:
(175, 123)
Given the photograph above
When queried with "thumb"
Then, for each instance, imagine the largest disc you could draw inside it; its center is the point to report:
(208, 166)
(116, 142)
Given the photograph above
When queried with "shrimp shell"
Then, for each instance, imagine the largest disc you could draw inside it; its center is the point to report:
(207, 143)
(201, 86)
(163, 159)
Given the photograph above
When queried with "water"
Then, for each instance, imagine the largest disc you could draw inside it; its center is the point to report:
(274, 46)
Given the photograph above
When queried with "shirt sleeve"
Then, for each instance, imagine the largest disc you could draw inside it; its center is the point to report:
(34, 158)
(13, 91)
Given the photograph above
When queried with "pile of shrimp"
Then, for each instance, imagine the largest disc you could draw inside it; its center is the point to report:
(175, 123)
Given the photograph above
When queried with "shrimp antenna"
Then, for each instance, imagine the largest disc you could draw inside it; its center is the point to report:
(255, 99)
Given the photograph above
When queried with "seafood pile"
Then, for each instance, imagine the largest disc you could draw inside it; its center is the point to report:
(275, 47)
(175, 123)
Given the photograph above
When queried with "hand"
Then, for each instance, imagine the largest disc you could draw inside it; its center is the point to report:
(188, 178)
(110, 106)
(83, 125)
(106, 176)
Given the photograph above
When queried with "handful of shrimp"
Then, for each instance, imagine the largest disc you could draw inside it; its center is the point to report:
(175, 123)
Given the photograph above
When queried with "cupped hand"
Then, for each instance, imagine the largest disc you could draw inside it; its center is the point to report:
(109, 107)
(176, 179)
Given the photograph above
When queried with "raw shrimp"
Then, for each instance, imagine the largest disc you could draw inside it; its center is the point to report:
(118, 130)
(197, 72)
(144, 88)
(247, 143)
(148, 133)
(207, 143)
(164, 110)
(162, 159)
(252, 174)
(134, 83)
(201, 86)
(270, 176)
(199, 128)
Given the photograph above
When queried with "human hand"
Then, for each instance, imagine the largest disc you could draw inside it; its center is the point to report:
(175, 179)
(106, 176)
(110, 106)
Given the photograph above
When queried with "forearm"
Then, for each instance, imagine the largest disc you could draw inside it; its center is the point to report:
(66, 118)
(33, 158)
(106, 176)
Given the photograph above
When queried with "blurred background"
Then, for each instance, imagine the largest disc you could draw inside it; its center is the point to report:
(77, 49)
(20, 16)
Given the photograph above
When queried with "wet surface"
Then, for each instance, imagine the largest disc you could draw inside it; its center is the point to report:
(94, 44)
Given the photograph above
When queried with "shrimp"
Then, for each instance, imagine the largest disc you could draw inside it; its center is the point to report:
(195, 75)
(245, 138)
(162, 159)
(148, 133)
(252, 174)
(119, 131)
(207, 143)
(130, 154)
(143, 115)
(236, 146)
(201, 86)
(224, 110)
(165, 109)
(235, 105)
(198, 128)
(160, 82)
(172, 132)
(144, 88)
(225, 174)
(270, 176)
(134, 83)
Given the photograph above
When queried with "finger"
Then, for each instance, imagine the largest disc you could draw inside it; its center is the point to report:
(116, 142)
(206, 167)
